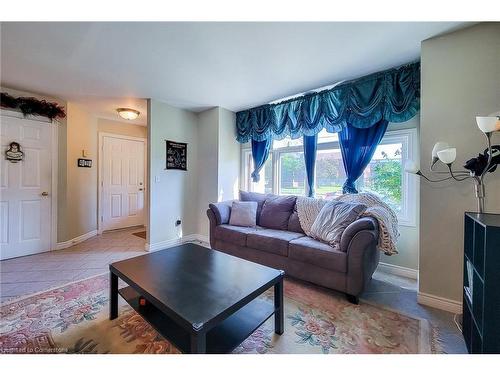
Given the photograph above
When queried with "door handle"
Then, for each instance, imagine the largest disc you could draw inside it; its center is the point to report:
(141, 189)
(45, 194)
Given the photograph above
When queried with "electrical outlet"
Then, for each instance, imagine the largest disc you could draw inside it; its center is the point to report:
(157, 178)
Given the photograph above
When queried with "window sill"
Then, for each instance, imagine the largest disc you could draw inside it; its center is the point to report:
(407, 224)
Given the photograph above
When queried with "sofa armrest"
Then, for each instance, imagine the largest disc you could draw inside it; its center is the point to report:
(212, 225)
(222, 211)
(364, 223)
(360, 243)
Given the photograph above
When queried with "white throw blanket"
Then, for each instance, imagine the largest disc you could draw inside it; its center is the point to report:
(385, 215)
(308, 209)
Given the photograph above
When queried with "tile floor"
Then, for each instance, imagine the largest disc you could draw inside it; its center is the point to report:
(31, 274)
(34, 273)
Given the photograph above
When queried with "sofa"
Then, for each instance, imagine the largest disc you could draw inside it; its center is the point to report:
(347, 268)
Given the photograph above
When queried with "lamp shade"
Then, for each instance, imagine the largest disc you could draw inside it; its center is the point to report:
(448, 155)
(438, 147)
(488, 124)
(411, 167)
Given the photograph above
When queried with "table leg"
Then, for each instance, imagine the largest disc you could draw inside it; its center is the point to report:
(113, 296)
(279, 313)
(198, 343)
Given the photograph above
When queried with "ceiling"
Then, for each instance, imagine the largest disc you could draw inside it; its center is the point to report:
(200, 65)
(104, 107)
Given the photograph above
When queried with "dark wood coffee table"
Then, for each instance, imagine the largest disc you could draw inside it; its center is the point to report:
(201, 300)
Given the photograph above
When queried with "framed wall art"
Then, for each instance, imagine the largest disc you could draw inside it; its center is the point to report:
(176, 155)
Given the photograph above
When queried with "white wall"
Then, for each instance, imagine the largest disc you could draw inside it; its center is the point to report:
(208, 133)
(175, 196)
(122, 128)
(229, 157)
(213, 169)
(460, 80)
(81, 183)
(219, 161)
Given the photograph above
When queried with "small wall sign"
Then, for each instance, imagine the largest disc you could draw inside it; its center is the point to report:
(85, 163)
(14, 153)
(176, 155)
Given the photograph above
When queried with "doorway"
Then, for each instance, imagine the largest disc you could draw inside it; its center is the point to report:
(28, 187)
(122, 181)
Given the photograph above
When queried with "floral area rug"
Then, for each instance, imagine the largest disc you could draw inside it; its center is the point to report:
(74, 319)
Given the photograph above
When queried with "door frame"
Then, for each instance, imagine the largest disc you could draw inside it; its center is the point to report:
(54, 165)
(100, 155)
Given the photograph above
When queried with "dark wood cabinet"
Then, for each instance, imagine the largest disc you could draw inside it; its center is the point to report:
(481, 292)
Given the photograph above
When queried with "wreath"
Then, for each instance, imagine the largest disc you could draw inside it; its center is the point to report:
(32, 106)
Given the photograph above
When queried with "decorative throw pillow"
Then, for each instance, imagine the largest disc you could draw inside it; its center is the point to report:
(276, 212)
(243, 214)
(332, 220)
(247, 196)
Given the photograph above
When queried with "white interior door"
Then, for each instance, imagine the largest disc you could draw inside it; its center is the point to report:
(25, 188)
(122, 182)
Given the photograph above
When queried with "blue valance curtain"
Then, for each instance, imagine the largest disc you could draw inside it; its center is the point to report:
(358, 110)
(392, 95)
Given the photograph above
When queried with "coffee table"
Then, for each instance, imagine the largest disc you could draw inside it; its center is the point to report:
(201, 300)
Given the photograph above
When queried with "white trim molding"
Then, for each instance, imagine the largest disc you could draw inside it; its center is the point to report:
(439, 302)
(176, 241)
(76, 240)
(393, 269)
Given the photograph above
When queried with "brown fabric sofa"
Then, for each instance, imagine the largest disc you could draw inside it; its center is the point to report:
(347, 269)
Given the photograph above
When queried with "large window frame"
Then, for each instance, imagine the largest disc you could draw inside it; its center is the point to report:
(407, 137)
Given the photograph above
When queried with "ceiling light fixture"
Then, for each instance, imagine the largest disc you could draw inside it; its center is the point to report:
(128, 113)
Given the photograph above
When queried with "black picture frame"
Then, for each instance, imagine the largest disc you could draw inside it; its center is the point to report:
(84, 163)
(176, 155)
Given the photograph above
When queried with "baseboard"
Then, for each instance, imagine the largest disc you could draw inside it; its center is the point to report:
(202, 238)
(163, 244)
(439, 302)
(76, 240)
(176, 241)
(398, 270)
(189, 238)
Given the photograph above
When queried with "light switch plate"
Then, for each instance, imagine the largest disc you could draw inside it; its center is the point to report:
(157, 178)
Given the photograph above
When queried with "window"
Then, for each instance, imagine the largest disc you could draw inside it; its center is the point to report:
(284, 172)
(330, 174)
(292, 173)
(384, 174)
(265, 185)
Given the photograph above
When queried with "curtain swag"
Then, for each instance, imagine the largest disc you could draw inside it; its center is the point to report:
(392, 95)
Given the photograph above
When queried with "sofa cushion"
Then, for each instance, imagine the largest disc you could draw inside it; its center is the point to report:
(243, 214)
(311, 251)
(233, 234)
(271, 240)
(294, 222)
(247, 196)
(276, 212)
